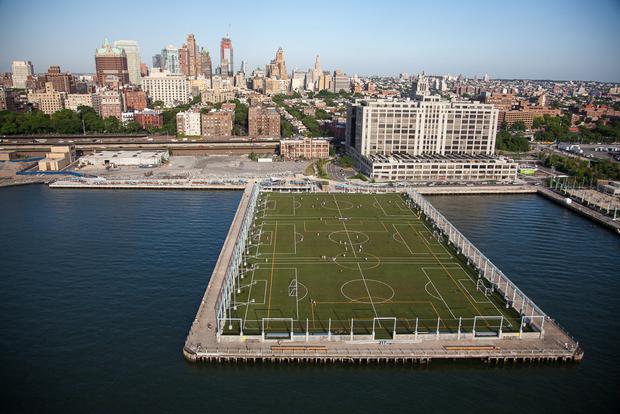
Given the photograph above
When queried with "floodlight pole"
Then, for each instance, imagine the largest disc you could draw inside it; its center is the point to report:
(307, 334)
(459, 331)
(438, 328)
(416, 328)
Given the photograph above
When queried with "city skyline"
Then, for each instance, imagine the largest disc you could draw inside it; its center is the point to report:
(515, 41)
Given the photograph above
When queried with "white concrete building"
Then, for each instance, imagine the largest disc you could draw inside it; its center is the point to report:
(417, 140)
(20, 71)
(447, 168)
(127, 158)
(427, 126)
(133, 59)
(170, 88)
(188, 123)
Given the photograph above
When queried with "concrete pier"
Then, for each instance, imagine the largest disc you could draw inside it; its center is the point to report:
(204, 344)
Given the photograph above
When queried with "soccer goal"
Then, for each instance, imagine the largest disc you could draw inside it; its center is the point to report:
(277, 328)
(480, 286)
(488, 326)
(383, 328)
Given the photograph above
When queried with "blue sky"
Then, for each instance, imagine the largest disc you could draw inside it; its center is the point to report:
(543, 39)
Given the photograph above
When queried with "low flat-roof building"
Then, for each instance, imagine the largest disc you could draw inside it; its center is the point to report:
(437, 168)
(57, 159)
(127, 158)
(304, 148)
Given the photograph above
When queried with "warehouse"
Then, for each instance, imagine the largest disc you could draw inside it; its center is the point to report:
(126, 158)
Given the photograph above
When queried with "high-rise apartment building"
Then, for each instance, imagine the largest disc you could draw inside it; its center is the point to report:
(111, 66)
(21, 70)
(170, 88)
(263, 122)
(227, 65)
(427, 139)
(133, 59)
(427, 126)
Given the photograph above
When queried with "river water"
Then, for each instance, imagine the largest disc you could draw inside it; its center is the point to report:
(98, 289)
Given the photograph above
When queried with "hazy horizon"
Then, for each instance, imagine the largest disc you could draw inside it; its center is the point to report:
(555, 40)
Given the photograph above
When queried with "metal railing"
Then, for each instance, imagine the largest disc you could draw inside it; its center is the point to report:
(514, 297)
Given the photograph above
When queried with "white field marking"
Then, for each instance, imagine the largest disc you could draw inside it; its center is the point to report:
(245, 316)
(380, 206)
(470, 295)
(403, 239)
(501, 312)
(305, 294)
(395, 239)
(355, 255)
(419, 233)
(429, 293)
(439, 293)
(267, 204)
(431, 241)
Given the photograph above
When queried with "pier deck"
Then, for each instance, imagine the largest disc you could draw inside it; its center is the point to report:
(207, 340)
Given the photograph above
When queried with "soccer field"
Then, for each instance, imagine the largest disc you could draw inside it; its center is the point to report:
(319, 262)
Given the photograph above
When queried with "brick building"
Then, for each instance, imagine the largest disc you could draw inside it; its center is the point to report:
(217, 124)
(263, 122)
(135, 100)
(149, 118)
(306, 148)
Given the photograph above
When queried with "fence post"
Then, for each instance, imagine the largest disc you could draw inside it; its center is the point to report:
(351, 328)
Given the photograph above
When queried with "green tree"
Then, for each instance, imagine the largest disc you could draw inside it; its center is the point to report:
(132, 127)
(112, 125)
(66, 121)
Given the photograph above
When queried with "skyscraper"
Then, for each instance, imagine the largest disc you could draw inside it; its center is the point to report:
(277, 67)
(133, 59)
(184, 60)
(192, 51)
(21, 71)
(206, 68)
(227, 65)
(157, 61)
(111, 66)
(170, 59)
